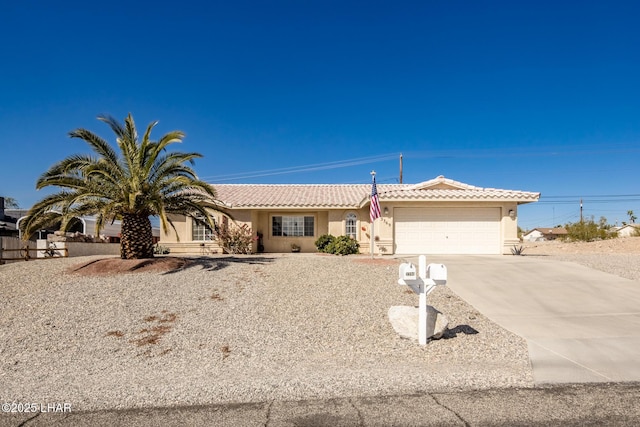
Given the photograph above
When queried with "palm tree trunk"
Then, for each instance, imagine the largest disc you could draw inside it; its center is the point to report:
(136, 239)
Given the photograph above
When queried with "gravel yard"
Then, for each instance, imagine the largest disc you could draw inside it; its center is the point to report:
(616, 256)
(234, 329)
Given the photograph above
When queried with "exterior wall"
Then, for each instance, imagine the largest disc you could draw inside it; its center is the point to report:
(283, 243)
(82, 249)
(331, 222)
(628, 230)
(338, 225)
(382, 231)
(181, 243)
(533, 236)
(509, 227)
(75, 249)
(540, 235)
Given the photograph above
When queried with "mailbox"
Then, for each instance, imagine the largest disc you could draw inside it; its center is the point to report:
(408, 271)
(422, 284)
(437, 273)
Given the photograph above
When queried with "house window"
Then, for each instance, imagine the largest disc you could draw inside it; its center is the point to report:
(292, 226)
(200, 231)
(350, 228)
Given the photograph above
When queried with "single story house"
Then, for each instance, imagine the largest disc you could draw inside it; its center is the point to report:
(439, 216)
(628, 230)
(84, 225)
(540, 234)
(7, 222)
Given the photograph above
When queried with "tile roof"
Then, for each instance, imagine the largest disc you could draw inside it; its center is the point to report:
(354, 196)
(292, 195)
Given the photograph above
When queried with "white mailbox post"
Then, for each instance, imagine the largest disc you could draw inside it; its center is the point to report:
(423, 283)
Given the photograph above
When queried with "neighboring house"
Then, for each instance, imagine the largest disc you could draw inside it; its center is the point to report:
(85, 225)
(439, 216)
(628, 230)
(7, 222)
(540, 234)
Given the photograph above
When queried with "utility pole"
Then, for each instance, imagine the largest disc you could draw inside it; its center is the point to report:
(400, 168)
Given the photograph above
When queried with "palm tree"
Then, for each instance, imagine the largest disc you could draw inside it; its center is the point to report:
(139, 181)
(11, 203)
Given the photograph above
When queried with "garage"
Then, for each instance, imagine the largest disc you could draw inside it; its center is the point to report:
(448, 230)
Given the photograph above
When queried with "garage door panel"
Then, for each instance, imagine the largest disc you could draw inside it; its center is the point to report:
(447, 230)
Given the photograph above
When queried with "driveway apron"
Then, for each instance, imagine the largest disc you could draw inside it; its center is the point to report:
(581, 325)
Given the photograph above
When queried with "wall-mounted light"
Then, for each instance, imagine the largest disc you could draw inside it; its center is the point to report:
(512, 213)
(386, 210)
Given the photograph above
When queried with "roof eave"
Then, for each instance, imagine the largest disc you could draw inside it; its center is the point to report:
(460, 199)
(289, 207)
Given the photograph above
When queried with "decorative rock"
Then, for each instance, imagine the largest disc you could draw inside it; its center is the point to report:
(404, 320)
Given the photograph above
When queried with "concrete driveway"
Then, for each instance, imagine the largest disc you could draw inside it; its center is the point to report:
(581, 325)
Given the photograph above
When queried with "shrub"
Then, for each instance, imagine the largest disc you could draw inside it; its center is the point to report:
(324, 241)
(235, 239)
(515, 250)
(343, 245)
(589, 230)
(160, 250)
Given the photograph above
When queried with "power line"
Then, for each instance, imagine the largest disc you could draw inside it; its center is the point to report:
(598, 195)
(537, 152)
(305, 168)
(591, 199)
(576, 201)
(491, 153)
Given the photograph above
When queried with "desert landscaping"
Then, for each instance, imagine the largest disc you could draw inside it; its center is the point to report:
(103, 333)
(234, 329)
(616, 256)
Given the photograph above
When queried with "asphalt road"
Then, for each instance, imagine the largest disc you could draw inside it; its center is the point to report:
(596, 404)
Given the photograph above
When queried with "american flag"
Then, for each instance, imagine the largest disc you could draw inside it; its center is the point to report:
(374, 211)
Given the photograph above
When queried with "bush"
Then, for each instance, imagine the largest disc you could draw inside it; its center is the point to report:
(515, 250)
(588, 231)
(235, 239)
(160, 250)
(323, 242)
(343, 245)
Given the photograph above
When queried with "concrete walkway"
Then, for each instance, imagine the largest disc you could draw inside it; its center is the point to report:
(581, 325)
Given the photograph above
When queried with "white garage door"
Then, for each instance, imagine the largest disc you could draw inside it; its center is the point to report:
(447, 231)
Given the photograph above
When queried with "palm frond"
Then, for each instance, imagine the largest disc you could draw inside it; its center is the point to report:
(98, 144)
(115, 126)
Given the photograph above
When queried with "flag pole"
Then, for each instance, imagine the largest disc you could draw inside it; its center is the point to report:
(373, 219)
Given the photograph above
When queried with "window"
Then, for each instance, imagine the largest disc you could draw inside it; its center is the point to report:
(350, 228)
(292, 226)
(200, 230)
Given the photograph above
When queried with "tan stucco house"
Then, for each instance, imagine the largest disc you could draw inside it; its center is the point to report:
(439, 216)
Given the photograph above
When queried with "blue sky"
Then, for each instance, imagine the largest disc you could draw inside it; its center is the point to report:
(538, 96)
